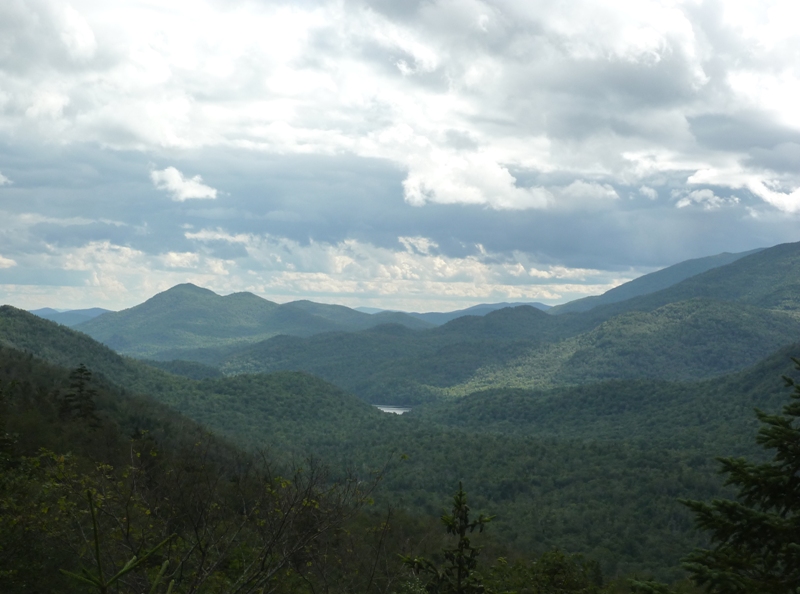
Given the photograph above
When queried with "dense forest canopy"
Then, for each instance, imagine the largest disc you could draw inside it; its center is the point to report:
(253, 465)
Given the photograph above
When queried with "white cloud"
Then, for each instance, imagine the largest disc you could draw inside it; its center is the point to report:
(770, 190)
(585, 195)
(705, 198)
(76, 34)
(770, 193)
(353, 272)
(6, 262)
(538, 87)
(47, 104)
(180, 187)
(648, 192)
(4, 180)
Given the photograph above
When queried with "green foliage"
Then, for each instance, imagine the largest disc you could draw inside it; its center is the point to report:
(79, 401)
(613, 501)
(590, 470)
(189, 369)
(756, 538)
(174, 503)
(459, 572)
(710, 415)
(555, 572)
(524, 347)
(98, 579)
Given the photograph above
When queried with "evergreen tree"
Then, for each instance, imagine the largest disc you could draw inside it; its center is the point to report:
(79, 401)
(459, 575)
(755, 540)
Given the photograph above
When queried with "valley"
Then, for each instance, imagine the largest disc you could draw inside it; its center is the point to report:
(580, 428)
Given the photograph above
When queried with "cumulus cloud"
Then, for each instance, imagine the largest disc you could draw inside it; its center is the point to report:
(772, 190)
(4, 180)
(705, 198)
(494, 123)
(6, 262)
(571, 87)
(417, 277)
(76, 34)
(180, 187)
(648, 192)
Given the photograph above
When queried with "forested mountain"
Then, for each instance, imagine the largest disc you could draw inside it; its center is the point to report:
(769, 279)
(710, 414)
(524, 347)
(650, 283)
(439, 318)
(255, 410)
(101, 490)
(715, 322)
(539, 487)
(187, 317)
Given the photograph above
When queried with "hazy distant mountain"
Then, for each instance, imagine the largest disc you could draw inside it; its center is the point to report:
(768, 278)
(69, 317)
(352, 319)
(440, 318)
(650, 283)
(188, 317)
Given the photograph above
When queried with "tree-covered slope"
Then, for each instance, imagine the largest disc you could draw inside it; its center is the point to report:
(524, 347)
(710, 414)
(262, 410)
(186, 318)
(650, 283)
(591, 492)
(679, 341)
(350, 319)
(769, 279)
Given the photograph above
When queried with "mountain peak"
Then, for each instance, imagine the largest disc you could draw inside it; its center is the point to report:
(188, 288)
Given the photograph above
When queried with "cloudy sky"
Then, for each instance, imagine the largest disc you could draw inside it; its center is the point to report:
(421, 155)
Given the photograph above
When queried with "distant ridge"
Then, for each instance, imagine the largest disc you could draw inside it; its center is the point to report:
(69, 317)
(187, 317)
(650, 283)
(439, 318)
(482, 309)
(768, 278)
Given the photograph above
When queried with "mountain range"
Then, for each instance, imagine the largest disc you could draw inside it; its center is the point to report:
(718, 321)
(579, 430)
(187, 317)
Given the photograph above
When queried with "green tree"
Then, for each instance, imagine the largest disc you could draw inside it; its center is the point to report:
(555, 572)
(755, 540)
(79, 401)
(459, 574)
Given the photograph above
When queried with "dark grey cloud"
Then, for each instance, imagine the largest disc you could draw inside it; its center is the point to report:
(782, 157)
(333, 199)
(746, 131)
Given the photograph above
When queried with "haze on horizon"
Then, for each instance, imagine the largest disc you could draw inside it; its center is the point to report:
(419, 155)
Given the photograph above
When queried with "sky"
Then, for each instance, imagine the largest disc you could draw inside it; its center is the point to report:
(416, 155)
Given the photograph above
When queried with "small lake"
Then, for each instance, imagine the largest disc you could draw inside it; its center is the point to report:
(397, 410)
